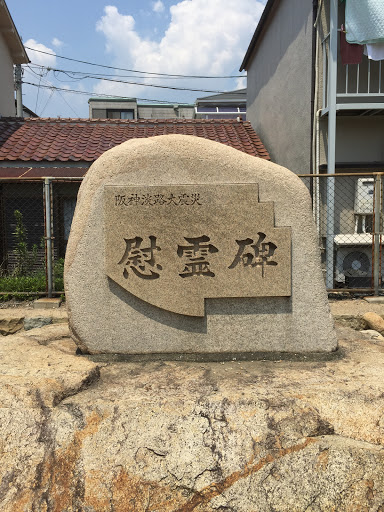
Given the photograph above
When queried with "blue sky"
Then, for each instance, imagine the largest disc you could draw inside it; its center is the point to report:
(188, 37)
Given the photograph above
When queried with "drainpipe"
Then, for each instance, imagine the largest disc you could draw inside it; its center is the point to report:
(316, 122)
(331, 157)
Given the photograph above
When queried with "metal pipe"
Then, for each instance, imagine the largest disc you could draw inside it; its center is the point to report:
(332, 88)
(31, 293)
(376, 234)
(328, 175)
(48, 235)
(40, 178)
(349, 290)
(316, 125)
(346, 78)
(325, 78)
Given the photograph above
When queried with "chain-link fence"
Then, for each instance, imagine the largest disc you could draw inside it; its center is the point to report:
(35, 221)
(347, 209)
(36, 216)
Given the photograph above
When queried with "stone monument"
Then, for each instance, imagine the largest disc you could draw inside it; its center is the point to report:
(183, 245)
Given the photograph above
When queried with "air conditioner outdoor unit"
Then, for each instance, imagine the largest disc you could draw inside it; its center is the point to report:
(354, 266)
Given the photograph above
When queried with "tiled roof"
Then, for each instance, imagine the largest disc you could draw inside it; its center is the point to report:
(69, 140)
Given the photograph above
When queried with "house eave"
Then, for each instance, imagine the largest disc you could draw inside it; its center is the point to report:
(11, 36)
(252, 45)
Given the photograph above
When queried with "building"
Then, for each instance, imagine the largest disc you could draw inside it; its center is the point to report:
(54, 155)
(317, 114)
(12, 52)
(129, 108)
(227, 105)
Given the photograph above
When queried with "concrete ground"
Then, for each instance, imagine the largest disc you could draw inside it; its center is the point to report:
(339, 308)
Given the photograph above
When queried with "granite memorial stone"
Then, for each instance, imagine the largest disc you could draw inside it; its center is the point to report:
(184, 245)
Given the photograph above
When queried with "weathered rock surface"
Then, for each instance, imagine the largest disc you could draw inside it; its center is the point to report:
(10, 325)
(371, 334)
(235, 437)
(374, 321)
(36, 322)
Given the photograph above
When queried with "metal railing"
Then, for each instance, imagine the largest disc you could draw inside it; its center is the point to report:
(356, 83)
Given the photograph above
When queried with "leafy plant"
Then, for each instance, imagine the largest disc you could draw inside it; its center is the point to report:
(25, 258)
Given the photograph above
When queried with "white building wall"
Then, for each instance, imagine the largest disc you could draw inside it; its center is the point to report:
(7, 95)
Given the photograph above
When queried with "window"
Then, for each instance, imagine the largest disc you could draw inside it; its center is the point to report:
(120, 114)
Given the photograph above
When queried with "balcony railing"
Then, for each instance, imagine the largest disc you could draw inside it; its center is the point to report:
(359, 86)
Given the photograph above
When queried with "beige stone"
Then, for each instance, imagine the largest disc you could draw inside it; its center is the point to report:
(196, 244)
(66, 345)
(106, 317)
(373, 335)
(49, 333)
(188, 437)
(32, 375)
(47, 303)
(374, 321)
(10, 324)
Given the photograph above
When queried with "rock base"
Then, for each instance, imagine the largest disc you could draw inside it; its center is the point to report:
(170, 436)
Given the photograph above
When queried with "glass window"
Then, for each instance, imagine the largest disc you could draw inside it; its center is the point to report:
(120, 114)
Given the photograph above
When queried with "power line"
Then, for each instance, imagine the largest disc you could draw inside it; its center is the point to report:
(143, 84)
(41, 79)
(101, 75)
(100, 94)
(130, 70)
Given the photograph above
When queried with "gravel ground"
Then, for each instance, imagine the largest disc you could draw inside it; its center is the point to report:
(354, 307)
(12, 304)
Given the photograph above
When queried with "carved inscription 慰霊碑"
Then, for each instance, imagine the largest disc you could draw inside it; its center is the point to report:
(223, 246)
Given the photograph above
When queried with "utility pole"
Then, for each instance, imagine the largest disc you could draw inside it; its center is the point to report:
(19, 96)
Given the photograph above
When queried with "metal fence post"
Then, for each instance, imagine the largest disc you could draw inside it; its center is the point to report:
(376, 235)
(48, 234)
(331, 156)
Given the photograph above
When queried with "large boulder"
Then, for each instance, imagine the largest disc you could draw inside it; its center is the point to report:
(183, 245)
(282, 435)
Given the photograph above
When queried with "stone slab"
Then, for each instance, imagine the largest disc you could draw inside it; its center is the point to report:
(174, 246)
(10, 324)
(35, 322)
(374, 300)
(47, 303)
(106, 317)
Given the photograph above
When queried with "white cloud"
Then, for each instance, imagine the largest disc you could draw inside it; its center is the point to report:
(57, 43)
(40, 58)
(241, 83)
(203, 38)
(158, 6)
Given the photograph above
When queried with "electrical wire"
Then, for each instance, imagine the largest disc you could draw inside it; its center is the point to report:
(145, 85)
(101, 75)
(49, 85)
(129, 70)
(101, 94)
